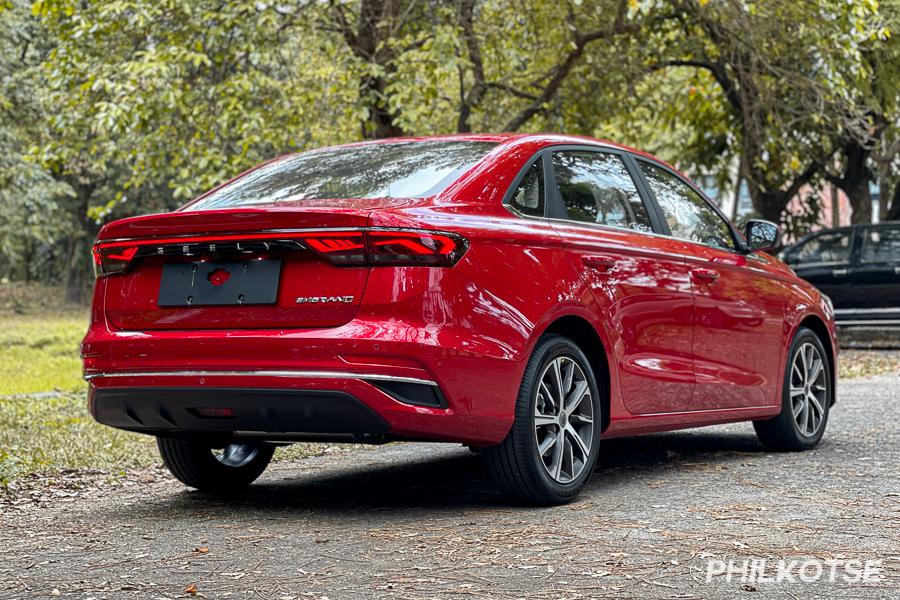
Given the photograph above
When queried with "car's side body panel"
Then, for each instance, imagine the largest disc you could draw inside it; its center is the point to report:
(643, 295)
(739, 330)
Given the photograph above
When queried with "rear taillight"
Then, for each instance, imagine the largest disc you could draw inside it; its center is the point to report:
(113, 259)
(388, 247)
(428, 248)
(354, 247)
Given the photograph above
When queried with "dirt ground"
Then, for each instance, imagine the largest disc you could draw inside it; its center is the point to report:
(424, 521)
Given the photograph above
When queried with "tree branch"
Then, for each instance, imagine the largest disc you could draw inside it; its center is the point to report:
(478, 89)
(565, 66)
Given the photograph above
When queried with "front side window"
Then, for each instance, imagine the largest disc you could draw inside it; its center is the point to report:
(379, 170)
(880, 245)
(596, 187)
(528, 198)
(688, 215)
(832, 247)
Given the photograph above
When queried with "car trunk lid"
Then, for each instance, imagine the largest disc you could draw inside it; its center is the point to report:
(234, 269)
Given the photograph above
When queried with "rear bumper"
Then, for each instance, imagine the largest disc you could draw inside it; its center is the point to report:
(288, 405)
(278, 414)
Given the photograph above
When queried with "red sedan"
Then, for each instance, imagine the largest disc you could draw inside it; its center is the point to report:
(521, 294)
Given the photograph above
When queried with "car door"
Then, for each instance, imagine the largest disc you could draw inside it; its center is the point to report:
(876, 274)
(641, 287)
(824, 261)
(739, 305)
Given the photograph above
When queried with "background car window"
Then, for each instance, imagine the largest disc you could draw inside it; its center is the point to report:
(688, 215)
(832, 247)
(529, 196)
(597, 188)
(881, 245)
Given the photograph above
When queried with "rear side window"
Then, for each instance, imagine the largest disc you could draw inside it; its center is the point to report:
(528, 198)
(596, 188)
(829, 248)
(688, 215)
(382, 170)
(880, 245)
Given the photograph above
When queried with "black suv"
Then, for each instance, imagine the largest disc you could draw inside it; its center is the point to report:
(858, 267)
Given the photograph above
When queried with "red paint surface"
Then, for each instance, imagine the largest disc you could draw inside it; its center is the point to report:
(683, 349)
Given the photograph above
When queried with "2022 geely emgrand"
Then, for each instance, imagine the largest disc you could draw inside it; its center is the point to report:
(523, 294)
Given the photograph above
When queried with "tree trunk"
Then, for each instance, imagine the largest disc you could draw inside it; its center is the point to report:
(381, 122)
(376, 16)
(894, 212)
(769, 204)
(78, 247)
(835, 206)
(855, 182)
(861, 202)
(884, 194)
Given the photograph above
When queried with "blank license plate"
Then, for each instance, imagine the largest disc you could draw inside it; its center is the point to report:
(220, 283)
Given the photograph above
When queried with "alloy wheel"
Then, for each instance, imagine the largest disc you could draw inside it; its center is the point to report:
(808, 389)
(237, 455)
(564, 419)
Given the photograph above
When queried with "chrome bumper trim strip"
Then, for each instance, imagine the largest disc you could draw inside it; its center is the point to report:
(263, 373)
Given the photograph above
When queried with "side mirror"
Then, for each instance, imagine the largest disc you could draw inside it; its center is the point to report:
(762, 236)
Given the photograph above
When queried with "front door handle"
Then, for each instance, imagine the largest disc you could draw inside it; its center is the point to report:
(601, 263)
(707, 275)
(839, 272)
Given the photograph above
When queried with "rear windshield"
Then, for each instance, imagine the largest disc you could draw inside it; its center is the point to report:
(386, 170)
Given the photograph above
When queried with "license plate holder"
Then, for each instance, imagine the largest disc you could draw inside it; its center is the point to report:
(229, 283)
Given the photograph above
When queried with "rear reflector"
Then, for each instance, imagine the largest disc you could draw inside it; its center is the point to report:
(214, 413)
(354, 247)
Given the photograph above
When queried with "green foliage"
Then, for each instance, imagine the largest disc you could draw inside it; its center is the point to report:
(122, 107)
(185, 94)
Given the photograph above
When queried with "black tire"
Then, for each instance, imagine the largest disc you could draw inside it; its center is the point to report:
(192, 462)
(783, 433)
(516, 463)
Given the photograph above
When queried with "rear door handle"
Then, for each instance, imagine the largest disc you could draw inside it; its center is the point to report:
(839, 272)
(705, 275)
(601, 263)
(896, 270)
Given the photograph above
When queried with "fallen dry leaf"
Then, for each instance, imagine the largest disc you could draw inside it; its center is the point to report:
(191, 589)
(201, 550)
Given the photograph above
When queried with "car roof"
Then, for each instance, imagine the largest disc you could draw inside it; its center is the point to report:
(538, 140)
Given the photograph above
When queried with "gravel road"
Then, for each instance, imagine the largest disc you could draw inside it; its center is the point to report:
(423, 521)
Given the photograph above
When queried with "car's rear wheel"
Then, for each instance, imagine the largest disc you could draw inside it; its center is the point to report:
(214, 468)
(551, 450)
(806, 399)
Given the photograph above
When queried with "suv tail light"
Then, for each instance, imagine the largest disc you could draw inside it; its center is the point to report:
(342, 247)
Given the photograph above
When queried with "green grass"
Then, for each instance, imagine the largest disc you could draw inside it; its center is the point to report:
(40, 351)
(45, 434)
(44, 423)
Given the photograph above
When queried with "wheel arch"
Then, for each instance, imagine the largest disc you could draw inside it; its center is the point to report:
(586, 337)
(815, 324)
